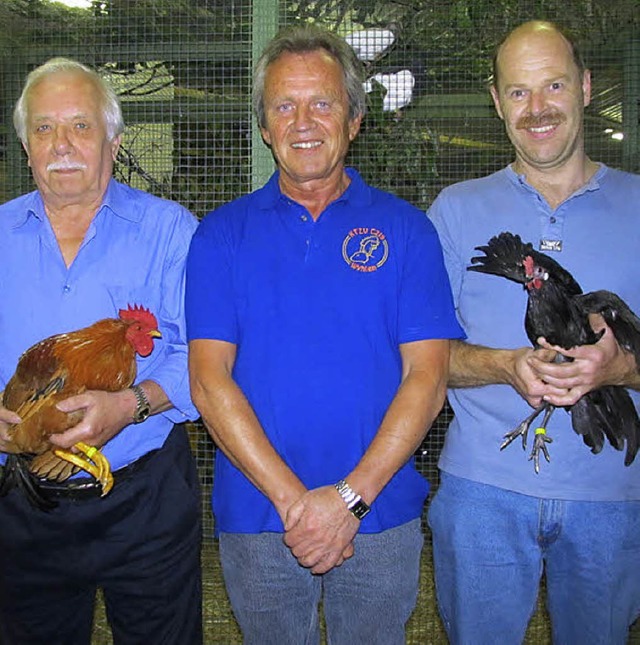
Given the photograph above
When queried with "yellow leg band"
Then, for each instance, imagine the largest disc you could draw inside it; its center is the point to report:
(541, 431)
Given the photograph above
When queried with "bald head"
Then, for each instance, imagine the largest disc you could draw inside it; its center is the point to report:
(532, 34)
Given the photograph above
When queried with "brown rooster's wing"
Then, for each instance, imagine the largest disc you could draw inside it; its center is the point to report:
(36, 369)
(39, 383)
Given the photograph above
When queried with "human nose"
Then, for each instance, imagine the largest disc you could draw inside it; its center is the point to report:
(62, 140)
(536, 102)
(303, 117)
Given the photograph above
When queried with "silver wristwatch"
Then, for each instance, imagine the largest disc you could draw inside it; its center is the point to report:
(143, 407)
(352, 499)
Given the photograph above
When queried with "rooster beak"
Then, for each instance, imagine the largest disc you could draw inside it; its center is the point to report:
(154, 333)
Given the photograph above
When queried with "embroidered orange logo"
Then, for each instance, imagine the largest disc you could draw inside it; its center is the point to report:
(365, 249)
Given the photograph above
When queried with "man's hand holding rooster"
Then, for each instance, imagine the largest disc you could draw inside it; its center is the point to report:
(7, 419)
(589, 367)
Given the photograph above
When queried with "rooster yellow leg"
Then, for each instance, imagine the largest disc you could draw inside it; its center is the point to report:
(92, 461)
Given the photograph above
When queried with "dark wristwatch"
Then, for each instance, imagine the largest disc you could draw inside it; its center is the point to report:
(353, 501)
(143, 407)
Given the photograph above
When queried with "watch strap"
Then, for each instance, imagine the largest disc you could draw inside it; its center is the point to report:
(143, 407)
(354, 502)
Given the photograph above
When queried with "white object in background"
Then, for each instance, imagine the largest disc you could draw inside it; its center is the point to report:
(370, 43)
(399, 86)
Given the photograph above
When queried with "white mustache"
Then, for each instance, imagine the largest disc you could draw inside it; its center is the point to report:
(66, 165)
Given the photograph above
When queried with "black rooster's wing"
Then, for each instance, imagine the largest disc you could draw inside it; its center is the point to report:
(624, 324)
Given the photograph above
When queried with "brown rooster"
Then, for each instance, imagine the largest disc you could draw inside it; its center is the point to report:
(99, 357)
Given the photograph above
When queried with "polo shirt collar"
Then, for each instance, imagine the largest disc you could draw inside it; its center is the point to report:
(592, 184)
(357, 192)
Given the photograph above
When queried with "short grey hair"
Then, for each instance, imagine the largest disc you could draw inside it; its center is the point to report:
(306, 38)
(111, 109)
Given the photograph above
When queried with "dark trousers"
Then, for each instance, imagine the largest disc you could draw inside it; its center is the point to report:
(140, 543)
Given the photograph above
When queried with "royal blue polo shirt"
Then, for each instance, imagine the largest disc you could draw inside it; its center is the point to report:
(317, 310)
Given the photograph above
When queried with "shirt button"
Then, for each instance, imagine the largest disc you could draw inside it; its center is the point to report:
(66, 288)
(303, 218)
(552, 219)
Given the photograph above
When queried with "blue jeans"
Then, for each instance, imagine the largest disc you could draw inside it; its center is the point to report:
(489, 547)
(367, 600)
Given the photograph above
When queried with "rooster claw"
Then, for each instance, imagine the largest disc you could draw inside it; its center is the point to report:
(520, 431)
(91, 460)
(540, 445)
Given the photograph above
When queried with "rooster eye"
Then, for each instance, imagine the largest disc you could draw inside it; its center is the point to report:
(540, 273)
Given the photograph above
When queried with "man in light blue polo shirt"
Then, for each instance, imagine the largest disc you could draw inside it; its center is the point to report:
(76, 250)
(495, 522)
(318, 313)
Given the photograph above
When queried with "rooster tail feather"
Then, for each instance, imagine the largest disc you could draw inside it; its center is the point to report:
(588, 423)
(630, 427)
(608, 411)
(503, 256)
(16, 474)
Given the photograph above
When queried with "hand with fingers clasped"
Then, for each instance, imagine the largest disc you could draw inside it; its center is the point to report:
(319, 530)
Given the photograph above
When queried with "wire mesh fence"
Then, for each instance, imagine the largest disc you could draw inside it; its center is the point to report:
(183, 70)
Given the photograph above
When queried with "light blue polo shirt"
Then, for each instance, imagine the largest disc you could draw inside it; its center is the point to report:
(317, 310)
(594, 234)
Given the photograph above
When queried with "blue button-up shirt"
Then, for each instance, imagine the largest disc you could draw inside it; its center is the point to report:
(133, 253)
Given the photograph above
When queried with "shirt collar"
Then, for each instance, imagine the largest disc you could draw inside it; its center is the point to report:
(357, 192)
(115, 199)
(592, 184)
(33, 207)
(118, 202)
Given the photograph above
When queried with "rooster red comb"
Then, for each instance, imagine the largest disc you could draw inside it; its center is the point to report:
(529, 265)
(139, 314)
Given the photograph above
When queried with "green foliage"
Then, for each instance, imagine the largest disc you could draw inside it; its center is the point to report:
(204, 55)
(395, 152)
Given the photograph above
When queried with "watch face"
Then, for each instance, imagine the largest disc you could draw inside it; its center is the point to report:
(360, 510)
(141, 415)
(143, 408)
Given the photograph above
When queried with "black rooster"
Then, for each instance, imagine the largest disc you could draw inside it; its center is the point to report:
(558, 311)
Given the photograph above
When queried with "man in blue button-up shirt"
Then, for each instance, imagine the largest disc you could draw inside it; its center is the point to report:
(78, 249)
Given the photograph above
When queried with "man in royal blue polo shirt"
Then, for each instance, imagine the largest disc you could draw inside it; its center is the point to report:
(318, 315)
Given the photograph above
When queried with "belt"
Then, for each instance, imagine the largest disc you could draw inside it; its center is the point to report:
(83, 488)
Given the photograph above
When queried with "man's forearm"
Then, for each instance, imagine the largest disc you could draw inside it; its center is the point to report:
(417, 403)
(232, 423)
(475, 365)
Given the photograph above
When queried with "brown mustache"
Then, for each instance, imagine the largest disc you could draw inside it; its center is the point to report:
(540, 120)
